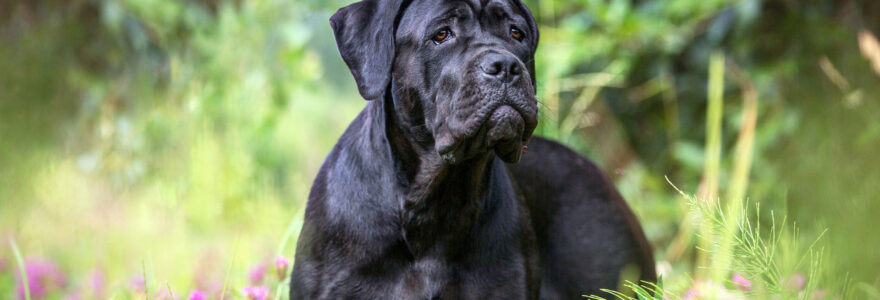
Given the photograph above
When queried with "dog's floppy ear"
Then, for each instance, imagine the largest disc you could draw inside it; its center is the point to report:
(533, 27)
(364, 34)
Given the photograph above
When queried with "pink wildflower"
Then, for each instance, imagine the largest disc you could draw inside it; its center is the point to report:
(97, 282)
(137, 284)
(43, 277)
(707, 289)
(164, 294)
(256, 292)
(741, 282)
(196, 295)
(692, 294)
(72, 297)
(256, 274)
(697, 290)
(281, 265)
(795, 282)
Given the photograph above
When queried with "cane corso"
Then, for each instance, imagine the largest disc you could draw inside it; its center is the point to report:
(430, 192)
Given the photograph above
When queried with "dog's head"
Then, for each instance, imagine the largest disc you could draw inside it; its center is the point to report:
(461, 70)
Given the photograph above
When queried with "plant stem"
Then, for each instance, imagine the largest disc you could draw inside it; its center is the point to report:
(229, 269)
(712, 165)
(21, 268)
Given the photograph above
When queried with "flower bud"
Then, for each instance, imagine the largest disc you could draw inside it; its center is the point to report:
(281, 265)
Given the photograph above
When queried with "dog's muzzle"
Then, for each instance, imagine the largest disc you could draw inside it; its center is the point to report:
(506, 114)
(505, 133)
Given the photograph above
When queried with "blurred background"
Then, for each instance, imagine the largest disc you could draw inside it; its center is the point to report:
(162, 148)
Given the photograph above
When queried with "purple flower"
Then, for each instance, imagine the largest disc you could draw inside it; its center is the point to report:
(256, 274)
(707, 289)
(741, 282)
(72, 297)
(256, 292)
(281, 265)
(795, 282)
(43, 277)
(697, 290)
(164, 294)
(137, 283)
(97, 281)
(692, 293)
(196, 295)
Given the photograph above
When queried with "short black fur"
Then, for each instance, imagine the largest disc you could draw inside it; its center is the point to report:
(429, 195)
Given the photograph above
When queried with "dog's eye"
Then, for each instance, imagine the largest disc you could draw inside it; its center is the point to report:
(441, 36)
(517, 34)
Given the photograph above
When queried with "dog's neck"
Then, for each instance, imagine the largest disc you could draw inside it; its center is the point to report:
(442, 202)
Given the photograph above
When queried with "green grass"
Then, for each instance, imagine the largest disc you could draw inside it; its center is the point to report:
(229, 270)
(21, 268)
(730, 237)
(764, 257)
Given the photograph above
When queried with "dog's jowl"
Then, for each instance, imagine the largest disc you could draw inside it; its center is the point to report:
(431, 193)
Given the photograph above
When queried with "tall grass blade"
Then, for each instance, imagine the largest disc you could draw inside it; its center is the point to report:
(295, 223)
(712, 165)
(144, 270)
(739, 180)
(21, 268)
(170, 292)
(229, 269)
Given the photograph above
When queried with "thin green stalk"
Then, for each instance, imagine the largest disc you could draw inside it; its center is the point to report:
(169, 290)
(742, 163)
(279, 290)
(713, 154)
(682, 240)
(21, 268)
(571, 121)
(229, 269)
(554, 111)
(295, 223)
(670, 108)
(144, 270)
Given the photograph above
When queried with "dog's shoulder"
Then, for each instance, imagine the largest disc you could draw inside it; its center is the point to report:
(552, 164)
(354, 188)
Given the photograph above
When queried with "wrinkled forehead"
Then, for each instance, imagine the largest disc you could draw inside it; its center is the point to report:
(421, 14)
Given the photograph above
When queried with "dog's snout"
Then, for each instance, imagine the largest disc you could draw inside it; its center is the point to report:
(501, 67)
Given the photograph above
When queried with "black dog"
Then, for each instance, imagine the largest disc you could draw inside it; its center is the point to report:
(415, 200)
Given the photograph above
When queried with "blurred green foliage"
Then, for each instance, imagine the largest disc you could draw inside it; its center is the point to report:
(642, 66)
(165, 132)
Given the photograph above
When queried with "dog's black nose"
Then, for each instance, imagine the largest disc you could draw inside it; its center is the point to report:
(501, 67)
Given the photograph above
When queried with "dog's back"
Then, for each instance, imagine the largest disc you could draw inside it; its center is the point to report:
(586, 234)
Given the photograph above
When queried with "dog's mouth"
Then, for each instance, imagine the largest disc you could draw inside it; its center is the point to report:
(506, 133)
(505, 130)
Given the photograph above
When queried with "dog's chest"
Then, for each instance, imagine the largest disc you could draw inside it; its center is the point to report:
(434, 277)
(422, 279)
